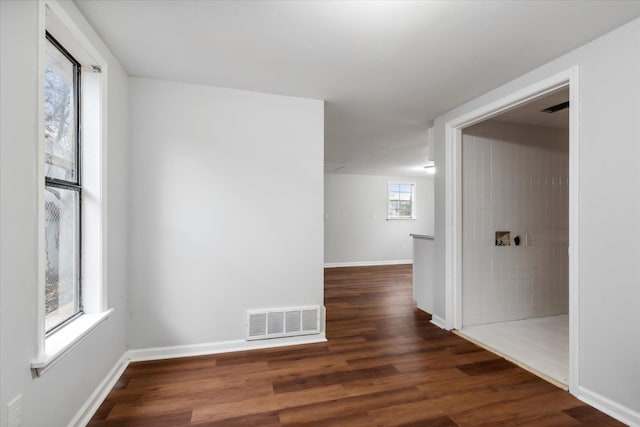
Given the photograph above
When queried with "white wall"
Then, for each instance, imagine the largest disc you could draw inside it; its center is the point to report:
(514, 178)
(54, 398)
(423, 249)
(356, 229)
(609, 208)
(226, 209)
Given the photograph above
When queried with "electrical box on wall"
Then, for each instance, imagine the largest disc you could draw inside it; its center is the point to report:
(503, 238)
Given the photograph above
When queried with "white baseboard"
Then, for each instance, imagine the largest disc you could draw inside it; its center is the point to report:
(609, 407)
(367, 263)
(438, 321)
(89, 408)
(83, 416)
(219, 347)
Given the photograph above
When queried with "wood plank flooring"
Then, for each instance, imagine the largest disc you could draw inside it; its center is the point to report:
(384, 365)
(541, 343)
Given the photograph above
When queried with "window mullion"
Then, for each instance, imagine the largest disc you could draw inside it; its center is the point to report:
(50, 182)
(404, 199)
(63, 187)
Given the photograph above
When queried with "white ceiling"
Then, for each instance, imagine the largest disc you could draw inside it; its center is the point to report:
(531, 112)
(385, 68)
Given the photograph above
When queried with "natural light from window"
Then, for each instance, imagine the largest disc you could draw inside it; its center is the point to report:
(62, 186)
(401, 200)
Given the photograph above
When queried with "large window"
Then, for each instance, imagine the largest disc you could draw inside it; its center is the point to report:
(63, 186)
(401, 200)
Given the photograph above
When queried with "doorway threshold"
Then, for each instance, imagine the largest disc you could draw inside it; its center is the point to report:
(539, 345)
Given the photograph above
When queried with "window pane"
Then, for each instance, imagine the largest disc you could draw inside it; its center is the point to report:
(59, 116)
(62, 255)
(405, 196)
(400, 200)
(393, 209)
(405, 209)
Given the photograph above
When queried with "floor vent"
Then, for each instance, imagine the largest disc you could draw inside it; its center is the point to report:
(282, 322)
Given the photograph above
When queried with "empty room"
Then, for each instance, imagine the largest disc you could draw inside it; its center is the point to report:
(339, 213)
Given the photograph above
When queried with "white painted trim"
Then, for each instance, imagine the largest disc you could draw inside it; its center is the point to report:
(438, 321)
(66, 339)
(95, 313)
(574, 225)
(74, 29)
(414, 205)
(367, 263)
(41, 254)
(91, 405)
(609, 407)
(89, 408)
(453, 203)
(220, 347)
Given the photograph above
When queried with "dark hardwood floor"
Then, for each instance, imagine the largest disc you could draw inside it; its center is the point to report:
(384, 365)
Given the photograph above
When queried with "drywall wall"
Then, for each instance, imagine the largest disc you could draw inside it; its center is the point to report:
(54, 398)
(608, 208)
(423, 248)
(356, 229)
(514, 178)
(226, 209)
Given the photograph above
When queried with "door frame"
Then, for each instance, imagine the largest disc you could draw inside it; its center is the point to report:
(453, 200)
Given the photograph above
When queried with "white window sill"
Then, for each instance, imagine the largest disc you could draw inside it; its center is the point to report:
(402, 219)
(60, 343)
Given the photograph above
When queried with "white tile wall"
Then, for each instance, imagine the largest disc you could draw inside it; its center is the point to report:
(515, 178)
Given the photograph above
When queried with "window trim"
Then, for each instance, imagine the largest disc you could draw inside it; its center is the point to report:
(55, 18)
(71, 185)
(413, 201)
(77, 85)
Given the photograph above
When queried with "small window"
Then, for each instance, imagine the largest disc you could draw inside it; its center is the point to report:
(63, 186)
(401, 199)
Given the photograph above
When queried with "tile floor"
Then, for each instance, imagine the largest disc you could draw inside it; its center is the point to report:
(541, 344)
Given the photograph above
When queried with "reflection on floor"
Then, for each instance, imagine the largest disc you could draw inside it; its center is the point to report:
(542, 344)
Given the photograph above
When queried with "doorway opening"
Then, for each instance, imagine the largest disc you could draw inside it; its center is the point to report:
(512, 216)
(515, 234)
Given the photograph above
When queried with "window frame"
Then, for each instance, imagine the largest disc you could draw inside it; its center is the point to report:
(413, 200)
(94, 122)
(76, 185)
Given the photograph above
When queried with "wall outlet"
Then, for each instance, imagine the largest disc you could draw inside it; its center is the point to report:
(15, 412)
